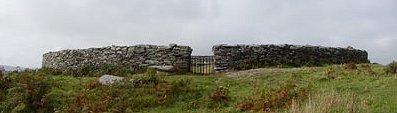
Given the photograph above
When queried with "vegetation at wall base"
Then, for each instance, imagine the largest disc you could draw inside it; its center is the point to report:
(358, 88)
(92, 71)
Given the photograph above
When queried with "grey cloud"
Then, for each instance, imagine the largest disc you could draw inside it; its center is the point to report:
(31, 28)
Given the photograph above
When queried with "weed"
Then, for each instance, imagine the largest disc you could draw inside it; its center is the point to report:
(181, 85)
(331, 102)
(244, 106)
(273, 99)
(219, 97)
(152, 76)
(330, 73)
(25, 93)
(366, 69)
(50, 71)
(350, 66)
(391, 68)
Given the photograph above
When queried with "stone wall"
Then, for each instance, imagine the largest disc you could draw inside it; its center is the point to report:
(139, 55)
(253, 56)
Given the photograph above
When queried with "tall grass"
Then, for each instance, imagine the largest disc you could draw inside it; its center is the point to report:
(331, 89)
(331, 102)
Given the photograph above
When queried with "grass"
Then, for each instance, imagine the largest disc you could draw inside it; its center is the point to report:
(328, 89)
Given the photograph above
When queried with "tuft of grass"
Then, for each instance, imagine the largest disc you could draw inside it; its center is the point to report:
(331, 102)
(219, 97)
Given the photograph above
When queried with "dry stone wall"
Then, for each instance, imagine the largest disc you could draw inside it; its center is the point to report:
(139, 55)
(252, 56)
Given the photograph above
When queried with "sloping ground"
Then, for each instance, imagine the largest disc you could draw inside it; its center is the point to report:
(331, 89)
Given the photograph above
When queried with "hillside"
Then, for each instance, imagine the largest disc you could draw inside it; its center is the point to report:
(12, 68)
(333, 89)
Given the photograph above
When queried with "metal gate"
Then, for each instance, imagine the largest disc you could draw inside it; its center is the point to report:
(202, 65)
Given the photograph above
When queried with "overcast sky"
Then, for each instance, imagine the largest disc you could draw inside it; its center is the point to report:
(29, 28)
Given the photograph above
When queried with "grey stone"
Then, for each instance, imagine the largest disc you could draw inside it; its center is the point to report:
(232, 56)
(164, 68)
(109, 79)
(144, 55)
(173, 45)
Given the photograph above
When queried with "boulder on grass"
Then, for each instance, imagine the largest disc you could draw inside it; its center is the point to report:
(109, 79)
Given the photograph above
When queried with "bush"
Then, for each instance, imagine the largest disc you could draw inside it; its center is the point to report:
(151, 75)
(391, 68)
(25, 93)
(273, 99)
(49, 71)
(126, 96)
(351, 66)
(366, 69)
(219, 97)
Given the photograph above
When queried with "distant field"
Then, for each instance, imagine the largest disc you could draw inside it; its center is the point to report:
(329, 89)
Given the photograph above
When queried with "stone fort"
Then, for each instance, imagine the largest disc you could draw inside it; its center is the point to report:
(225, 56)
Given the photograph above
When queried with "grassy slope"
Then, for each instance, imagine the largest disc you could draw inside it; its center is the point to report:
(378, 91)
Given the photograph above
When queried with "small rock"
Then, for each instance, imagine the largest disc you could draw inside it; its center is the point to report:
(172, 45)
(109, 79)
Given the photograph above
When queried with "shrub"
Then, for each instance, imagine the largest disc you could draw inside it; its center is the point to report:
(181, 86)
(329, 73)
(219, 97)
(391, 68)
(49, 71)
(25, 93)
(366, 69)
(138, 69)
(126, 96)
(245, 106)
(5, 84)
(151, 75)
(350, 66)
(151, 72)
(273, 99)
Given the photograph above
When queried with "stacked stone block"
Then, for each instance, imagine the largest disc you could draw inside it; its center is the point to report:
(139, 55)
(231, 56)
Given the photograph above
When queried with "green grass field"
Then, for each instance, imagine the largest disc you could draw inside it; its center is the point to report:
(328, 89)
